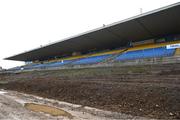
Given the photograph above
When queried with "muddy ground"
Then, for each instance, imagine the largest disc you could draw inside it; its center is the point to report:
(19, 106)
(151, 91)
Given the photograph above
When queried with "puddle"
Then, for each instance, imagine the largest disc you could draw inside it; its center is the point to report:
(3, 82)
(2, 92)
(47, 109)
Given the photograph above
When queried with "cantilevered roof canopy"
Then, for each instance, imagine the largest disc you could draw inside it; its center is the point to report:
(160, 22)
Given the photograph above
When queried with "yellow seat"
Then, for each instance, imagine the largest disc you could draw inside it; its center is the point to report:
(177, 52)
(141, 47)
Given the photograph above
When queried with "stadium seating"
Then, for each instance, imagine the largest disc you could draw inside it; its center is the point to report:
(132, 53)
(91, 60)
(93, 54)
(146, 53)
(30, 66)
(88, 60)
(128, 55)
(177, 53)
(152, 45)
(48, 65)
(58, 64)
(15, 68)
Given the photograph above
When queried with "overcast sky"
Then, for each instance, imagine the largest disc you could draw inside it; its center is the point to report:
(27, 24)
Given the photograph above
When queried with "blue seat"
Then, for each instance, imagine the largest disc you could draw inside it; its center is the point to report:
(146, 53)
(130, 55)
(58, 64)
(47, 65)
(91, 60)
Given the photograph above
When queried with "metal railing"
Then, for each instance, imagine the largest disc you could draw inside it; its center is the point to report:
(146, 61)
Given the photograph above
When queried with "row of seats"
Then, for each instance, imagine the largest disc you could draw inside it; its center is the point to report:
(146, 53)
(48, 65)
(128, 55)
(91, 60)
(88, 60)
(152, 45)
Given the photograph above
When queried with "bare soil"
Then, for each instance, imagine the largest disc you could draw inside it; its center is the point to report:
(21, 106)
(149, 91)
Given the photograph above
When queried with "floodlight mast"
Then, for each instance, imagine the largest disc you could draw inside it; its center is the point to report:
(141, 10)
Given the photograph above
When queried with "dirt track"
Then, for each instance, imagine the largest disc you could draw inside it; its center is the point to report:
(150, 91)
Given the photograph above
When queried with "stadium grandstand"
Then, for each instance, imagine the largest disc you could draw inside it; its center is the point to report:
(155, 34)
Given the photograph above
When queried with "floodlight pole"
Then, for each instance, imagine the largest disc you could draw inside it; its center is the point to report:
(141, 10)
